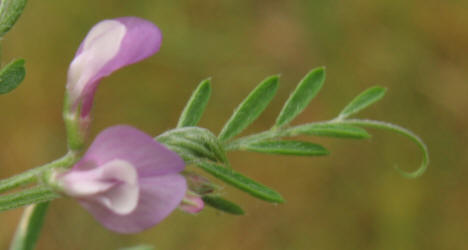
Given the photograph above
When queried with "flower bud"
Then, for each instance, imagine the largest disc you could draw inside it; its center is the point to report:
(199, 184)
(109, 46)
(192, 203)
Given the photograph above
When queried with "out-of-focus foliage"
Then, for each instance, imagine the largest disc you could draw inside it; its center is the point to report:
(10, 11)
(11, 76)
(352, 199)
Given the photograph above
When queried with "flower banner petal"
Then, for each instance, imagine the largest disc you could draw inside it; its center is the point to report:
(126, 143)
(109, 46)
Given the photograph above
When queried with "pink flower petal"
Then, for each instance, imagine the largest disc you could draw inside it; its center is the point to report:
(192, 203)
(114, 184)
(126, 143)
(159, 196)
(109, 46)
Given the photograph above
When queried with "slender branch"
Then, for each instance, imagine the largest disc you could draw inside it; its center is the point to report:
(27, 197)
(274, 133)
(34, 174)
(29, 228)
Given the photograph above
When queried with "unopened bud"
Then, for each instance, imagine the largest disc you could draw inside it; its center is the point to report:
(199, 184)
(192, 203)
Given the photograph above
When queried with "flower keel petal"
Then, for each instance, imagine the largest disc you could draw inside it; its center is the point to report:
(159, 196)
(114, 185)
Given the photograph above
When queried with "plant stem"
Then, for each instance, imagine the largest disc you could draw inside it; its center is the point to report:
(269, 134)
(33, 216)
(29, 196)
(29, 228)
(34, 174)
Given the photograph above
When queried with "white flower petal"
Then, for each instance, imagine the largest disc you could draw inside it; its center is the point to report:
(113, 184)
(99, 47)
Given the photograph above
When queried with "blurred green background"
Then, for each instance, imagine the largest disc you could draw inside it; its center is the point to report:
(352, 199)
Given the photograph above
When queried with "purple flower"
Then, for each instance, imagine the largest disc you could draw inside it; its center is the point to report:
(126, 180)
(109, 46)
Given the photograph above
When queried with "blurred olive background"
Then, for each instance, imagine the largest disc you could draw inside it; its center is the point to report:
(352, 199)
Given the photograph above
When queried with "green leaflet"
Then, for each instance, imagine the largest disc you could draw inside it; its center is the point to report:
(221, 204)
(10, 11)
(184, 153)
(306, 90)
(287, 148)
(196, 105)
(11, 76)
(332, 130)
(195, 148)
(29, 228)
(194, 142)
(250, 108)
(362, 101)
(241, 182)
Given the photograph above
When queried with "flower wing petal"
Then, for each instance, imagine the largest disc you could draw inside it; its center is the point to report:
(159, 196)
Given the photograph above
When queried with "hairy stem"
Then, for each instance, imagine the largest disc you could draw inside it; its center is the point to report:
(274, 133)
(27, 197)
(34, 174)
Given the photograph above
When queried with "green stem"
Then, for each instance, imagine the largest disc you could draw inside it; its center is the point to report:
(29, 228)
(34, 174)
(33, 216)
(27, 197)
(274, 133)
(75, 125)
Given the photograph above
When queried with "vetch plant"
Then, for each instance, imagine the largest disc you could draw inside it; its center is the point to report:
(130, 181)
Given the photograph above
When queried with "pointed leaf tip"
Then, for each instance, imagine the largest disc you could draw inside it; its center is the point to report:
(194, 108)
(223, 205)
(250, 108)
(363, 100)
(305, 91)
